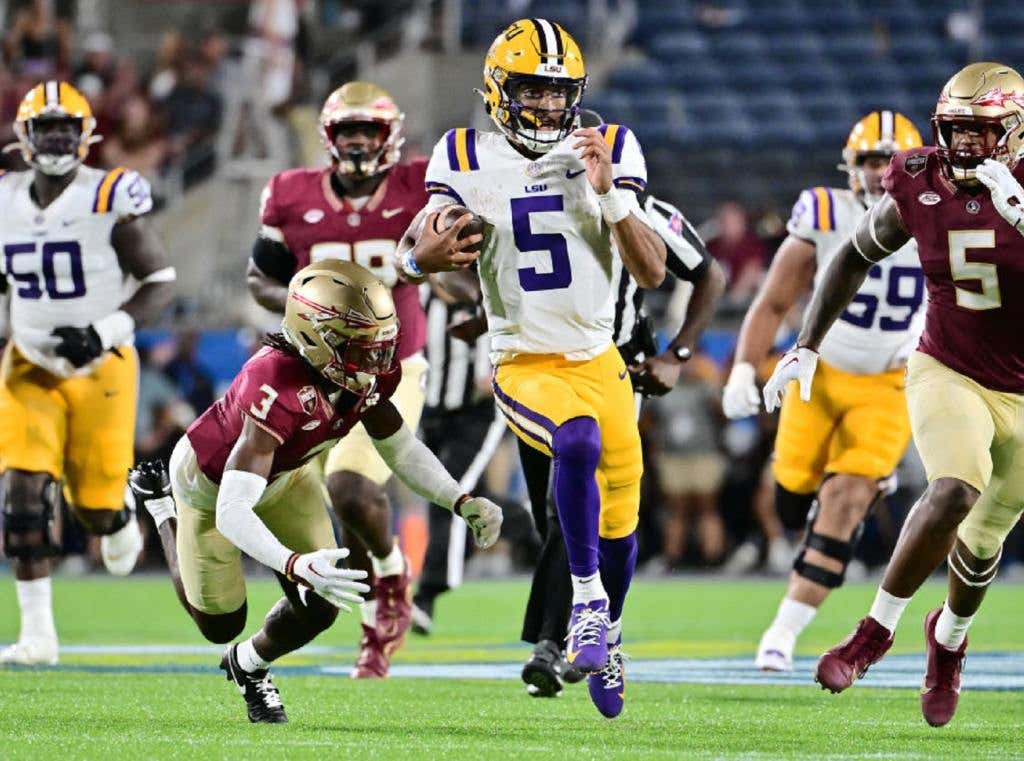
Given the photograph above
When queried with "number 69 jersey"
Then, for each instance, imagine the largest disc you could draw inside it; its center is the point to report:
(881, 326)
(547, 268)
(60, 266)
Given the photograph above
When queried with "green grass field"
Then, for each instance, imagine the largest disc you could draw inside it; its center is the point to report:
(153, 703)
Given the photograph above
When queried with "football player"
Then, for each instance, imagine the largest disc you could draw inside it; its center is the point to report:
(356, 210)
(248, 474)
(961, 200)
(71, 237)
(833, 454)
(565, 218)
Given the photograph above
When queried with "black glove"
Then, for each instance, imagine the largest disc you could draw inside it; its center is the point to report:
(149, 480)
(79, 346)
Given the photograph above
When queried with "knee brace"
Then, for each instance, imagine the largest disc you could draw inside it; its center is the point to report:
(837, 549)
(29, 517)
(791, 507)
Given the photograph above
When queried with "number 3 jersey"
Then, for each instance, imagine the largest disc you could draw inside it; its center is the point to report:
(881, 326)
(548, 264)
(300, 209)
(60, 266)
(974, 262)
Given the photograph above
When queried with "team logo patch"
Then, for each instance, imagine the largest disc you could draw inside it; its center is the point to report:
(675, 224)
(929, 198)
(307, 398)
(353, 220)
(534, 169)
(313, 216)
(973, 206)
(915, 164)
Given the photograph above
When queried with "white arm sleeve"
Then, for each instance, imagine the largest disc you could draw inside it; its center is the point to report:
(411, 460)
(237, 497)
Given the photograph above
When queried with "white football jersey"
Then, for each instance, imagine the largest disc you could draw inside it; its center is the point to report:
(58, 262)
(881, 326)
(548, 267)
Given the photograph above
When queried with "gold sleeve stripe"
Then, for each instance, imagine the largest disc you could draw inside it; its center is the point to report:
(105, 193)
(824, 217)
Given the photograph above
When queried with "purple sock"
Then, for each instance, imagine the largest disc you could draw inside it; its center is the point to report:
(618, 561)
(576, 445)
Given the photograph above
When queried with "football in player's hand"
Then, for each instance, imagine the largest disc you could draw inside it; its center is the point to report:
(450, 215)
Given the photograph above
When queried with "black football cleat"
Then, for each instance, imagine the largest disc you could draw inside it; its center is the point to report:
(262, 700)
(543, 672)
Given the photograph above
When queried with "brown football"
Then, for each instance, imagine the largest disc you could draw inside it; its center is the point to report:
(451, 215)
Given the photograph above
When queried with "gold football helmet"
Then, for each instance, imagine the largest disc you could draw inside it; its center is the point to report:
(879, 134)
(53, 153)
(982, 94)
(363, 102)
(533, 53)
(342, 321)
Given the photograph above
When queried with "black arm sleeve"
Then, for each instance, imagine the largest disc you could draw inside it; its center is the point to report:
(274, 259)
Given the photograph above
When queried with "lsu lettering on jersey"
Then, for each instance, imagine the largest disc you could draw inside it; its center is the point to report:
(884, 320)
(548, 267)
(60, 266)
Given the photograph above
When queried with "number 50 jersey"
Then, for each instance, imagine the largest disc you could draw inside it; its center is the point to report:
(547, 268)
(58, 262)
(881, 326)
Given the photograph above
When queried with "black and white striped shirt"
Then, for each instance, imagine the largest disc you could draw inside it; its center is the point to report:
(687, 258)
(457, 370)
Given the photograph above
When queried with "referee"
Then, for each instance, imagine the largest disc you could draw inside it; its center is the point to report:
(547, 611)
(460, 424)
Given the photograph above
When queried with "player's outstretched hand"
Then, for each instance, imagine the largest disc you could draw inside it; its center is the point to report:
(596, 157)
(796, 364)
(1007, 194)
(656, 376)
(79, 346)
(442, 251)
(320, 571)
(483, 518)
(740, 397)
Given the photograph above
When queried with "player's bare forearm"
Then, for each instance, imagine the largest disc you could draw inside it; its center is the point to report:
(254, 450)
(642, 250)
(703, 301)
(879, 233)
(268, 292)
(142, 255)
(789, 277)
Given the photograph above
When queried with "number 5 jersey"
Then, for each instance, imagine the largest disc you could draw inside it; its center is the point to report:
(883, 321)
(548, 264)
(60, 266)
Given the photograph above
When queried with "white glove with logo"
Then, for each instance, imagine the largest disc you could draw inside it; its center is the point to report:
(740, 398)
(796, 364)
(483, 518)
(1007, 194)
(319, 570)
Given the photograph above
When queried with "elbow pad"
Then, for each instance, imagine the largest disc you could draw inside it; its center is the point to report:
(273, 259)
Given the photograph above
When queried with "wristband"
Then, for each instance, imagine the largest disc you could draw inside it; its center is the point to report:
(115, 329)
(409, 266)
(289, 566)
(457, 508)
(614, 207)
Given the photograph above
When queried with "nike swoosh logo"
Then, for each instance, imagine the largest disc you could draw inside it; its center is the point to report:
(623, 374)
(389, 213)
(622, 696)
(109, 394)
(571, 175)
(572, 656)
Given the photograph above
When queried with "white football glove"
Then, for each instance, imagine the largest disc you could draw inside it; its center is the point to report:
(483, 518)
(796, 364)
(740, 398)
(1007, 194)
(336, 585)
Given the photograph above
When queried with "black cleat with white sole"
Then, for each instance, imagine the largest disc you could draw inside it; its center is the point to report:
(543, 672)
(262, 700)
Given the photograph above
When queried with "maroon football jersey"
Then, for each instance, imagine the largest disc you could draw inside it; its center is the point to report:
(973, 261)
(318, 224)
(286, 398)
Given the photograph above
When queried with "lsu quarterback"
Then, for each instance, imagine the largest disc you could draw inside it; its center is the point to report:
(834, 453)
(73, 238)
(961, 200)
(357, 209)
(565, 218)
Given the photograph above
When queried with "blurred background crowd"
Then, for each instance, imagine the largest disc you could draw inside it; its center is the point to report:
(739, 105)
